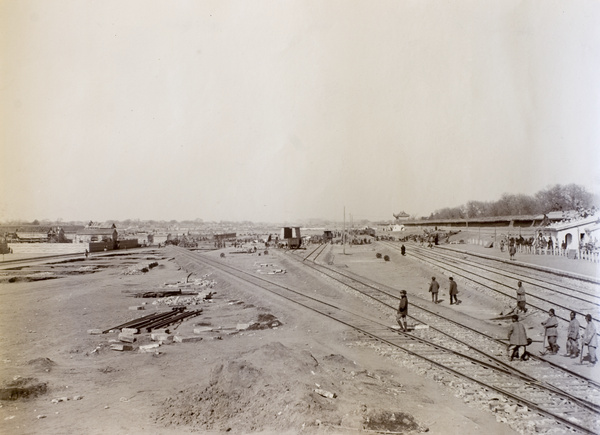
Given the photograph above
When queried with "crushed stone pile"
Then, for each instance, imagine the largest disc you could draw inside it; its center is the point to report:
(198, 299)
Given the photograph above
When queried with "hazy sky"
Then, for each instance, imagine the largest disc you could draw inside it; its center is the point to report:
(285, 110)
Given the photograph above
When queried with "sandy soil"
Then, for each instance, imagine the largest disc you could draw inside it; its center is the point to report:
(272, 378)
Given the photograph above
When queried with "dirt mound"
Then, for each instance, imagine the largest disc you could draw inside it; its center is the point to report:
(42, 364)
(341, 362)
(394, 422)
(246, 394)
(22, 388)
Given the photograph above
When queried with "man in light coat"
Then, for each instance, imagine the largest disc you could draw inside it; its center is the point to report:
(517, 338)
(551, 331)
(573, 337)
(521, 299)
(590, 339)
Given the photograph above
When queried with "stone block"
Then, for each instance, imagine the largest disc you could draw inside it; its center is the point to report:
(203, 329)
(127, 338)
(121, 347)
(137, 308)
(242, 326)
(94, 331)
(186, 339)
(148, 348)
(161, 337)
(130, 331)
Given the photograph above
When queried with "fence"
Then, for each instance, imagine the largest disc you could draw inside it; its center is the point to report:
(580, 254)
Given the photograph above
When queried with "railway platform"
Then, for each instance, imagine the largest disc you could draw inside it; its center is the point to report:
(578, 267)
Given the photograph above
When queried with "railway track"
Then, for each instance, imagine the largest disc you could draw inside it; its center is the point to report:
(562, 294)
(540, 405)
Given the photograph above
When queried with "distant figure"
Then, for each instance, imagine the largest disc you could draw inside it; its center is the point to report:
(434, 289)
(402, 311)
(87, 253)
(453, 291)
(573, 337)
(402, 250)
(517, 337)
(551, 332)
(512, 250)
(521, 298)
(590, 339)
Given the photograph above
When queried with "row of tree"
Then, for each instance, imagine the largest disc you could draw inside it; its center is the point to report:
(554, 198)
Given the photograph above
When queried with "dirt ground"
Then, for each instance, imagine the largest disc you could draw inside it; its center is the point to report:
(268, 367)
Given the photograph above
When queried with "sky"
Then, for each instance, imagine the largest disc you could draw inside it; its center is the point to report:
(278, 111)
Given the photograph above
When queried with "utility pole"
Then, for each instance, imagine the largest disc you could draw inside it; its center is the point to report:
(344, 232)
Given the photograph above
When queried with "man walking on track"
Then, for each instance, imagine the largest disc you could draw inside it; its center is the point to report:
(434, 289)
(453, 292)
(551, 332)
(573, 337)
(590, 339)
(402, 311)
(517, 337)
(521, 298)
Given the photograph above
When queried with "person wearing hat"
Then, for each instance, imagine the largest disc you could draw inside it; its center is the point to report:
(402, 311)
(589, 338)
(434, 289)
(521, 298)
(551, 332)
(573, 337)
(453, 290)
(517, 337)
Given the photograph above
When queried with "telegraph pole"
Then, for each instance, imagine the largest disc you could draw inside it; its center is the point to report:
(344, 232)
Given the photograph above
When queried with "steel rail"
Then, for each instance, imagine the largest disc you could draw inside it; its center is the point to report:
(173, 319)
(516, 398)
(453, 269)
(583, 402)
(139, 320)
(515, 276)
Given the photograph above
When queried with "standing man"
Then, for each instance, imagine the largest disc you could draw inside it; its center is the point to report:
(434, 289)
(517, 337)
(551, 331)
(521, 298)
(402, 311)
(402, 250)
(453, 292)
(512, 250)
(590, 339)
(573, 337)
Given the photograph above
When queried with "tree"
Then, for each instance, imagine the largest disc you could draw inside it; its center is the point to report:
(559, 198)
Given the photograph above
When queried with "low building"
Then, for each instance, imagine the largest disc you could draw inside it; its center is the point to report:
(575, 234)
(93, 233)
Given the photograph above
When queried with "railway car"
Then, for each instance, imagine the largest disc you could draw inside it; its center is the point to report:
(292, 236)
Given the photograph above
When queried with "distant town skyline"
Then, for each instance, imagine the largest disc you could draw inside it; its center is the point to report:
(287, 111)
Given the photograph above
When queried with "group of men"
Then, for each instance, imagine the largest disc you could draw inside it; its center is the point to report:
(517, 336)
(518, 341)
(551, 332)
(589, 336)
(434, 289)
